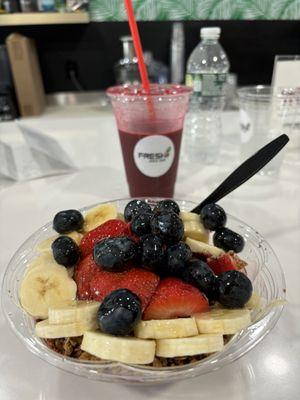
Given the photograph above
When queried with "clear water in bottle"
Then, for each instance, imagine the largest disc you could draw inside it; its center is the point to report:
(207, 70)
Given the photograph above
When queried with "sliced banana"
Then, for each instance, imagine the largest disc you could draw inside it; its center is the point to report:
(189, 216)
(254, 303)
(129, 350)
(166, 328)
(45, 245)
(76, 311)
(44, 329)
(42, 288)
(121, 216)
(201, 247)
(195, 230)
(223, 321)
(201, 344)
(44, 259)
(98, 215)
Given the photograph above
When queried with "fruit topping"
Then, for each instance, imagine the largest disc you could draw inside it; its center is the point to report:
(46, 286)
(135, 207)
(152, 252)
(68, 221)
(175, 298)
(168, 226)
(213, 216)
(177, 257)
(225, 262)
(199, 274)
(166, 328)
(167, 205)
(204, 249)
(84, 272)
(119, 312)
(141, 282)
(234, 289)
(116, 254)
(140, 224)
(122, 349)
(111, 228)
(228, 240)
(96, 216)
(224, 321)
(65, 251)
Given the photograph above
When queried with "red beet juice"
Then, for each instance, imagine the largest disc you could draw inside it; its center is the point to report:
(141, 184)
(150, 127)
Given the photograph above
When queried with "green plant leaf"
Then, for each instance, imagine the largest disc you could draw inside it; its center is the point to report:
(107, 10)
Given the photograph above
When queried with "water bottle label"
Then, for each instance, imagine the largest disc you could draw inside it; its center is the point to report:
(206, 84)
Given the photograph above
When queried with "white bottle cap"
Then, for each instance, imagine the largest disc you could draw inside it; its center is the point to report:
(210, 33)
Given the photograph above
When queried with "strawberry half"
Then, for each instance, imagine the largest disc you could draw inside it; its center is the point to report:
(84, 272)
(225, 262)
(111, 228)
(141, 282)
(174, 298)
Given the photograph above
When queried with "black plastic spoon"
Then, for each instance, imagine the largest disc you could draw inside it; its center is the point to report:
(245, 171)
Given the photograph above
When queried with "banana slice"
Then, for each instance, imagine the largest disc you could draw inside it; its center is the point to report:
(166, 328)
(201, 247)
(201, 344)
(254, 303)
(193, 227)
(42, 288)
(115, 348)
(223, 321)
(43, 260)
(44, 329)
(195, 230)
(189, 216)
(98, 215)
(76, 311)
(45, 245)
(121, 216)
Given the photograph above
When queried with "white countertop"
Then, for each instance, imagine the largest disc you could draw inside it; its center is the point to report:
(88, 135)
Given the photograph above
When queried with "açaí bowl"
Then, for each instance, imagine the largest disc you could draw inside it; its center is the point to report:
(263, 269)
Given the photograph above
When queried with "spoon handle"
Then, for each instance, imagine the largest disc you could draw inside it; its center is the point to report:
(245, 171)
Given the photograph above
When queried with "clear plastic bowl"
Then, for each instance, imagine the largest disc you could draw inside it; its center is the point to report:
(263, 269)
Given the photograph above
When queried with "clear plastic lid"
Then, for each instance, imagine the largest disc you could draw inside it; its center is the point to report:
(210, 32)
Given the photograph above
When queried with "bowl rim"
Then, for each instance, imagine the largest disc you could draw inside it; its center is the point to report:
(171, 373)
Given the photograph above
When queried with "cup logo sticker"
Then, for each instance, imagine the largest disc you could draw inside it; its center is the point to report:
(246, 127)
(154, 155)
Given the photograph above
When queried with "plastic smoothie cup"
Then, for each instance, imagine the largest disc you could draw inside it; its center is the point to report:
(150, 129)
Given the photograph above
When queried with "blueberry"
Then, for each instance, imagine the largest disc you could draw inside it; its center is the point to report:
(115, 254)
(227, 240)
(152, 252)
(140, 224)
(213, 216)
(135, 207)
(177, 257)
(235, 289)
(119, 312)
(65, 251)
(168, 226)
(167, 205)
(199, 274)
(68, 221)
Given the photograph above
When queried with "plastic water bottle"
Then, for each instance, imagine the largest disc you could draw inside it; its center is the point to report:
(207, 70)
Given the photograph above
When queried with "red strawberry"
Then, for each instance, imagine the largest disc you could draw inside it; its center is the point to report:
(85, 270)
(142, 283)
(174, 298)
(111, 228)
(225, 262)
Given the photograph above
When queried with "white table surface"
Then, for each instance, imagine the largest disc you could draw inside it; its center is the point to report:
(270, 371)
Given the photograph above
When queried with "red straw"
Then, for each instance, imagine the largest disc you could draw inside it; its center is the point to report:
(137, 45)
